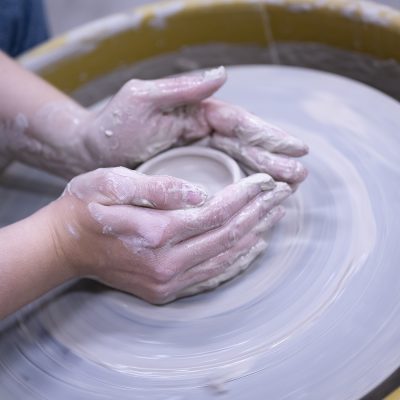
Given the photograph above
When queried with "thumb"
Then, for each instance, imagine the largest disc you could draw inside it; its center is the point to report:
(127, 187)
(188, 88)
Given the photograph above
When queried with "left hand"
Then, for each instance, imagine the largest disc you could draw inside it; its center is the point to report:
(148, 116)
(157, 237)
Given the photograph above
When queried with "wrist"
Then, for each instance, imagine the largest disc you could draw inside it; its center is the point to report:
(61, 129)
(30, 263)
(58, 243)
(51, 139)
(68, 237)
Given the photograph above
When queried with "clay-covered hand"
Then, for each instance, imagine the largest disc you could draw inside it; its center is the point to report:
(41, 126)
(157, 237)
(146, 117)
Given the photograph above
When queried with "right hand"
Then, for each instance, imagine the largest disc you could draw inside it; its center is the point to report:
(152, 236)
(148, 116)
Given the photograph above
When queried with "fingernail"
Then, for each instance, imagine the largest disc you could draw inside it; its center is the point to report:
(213, 73)
(283, 187)
(300, 172)
(300, 145)
(282, 191)
(299, 148)
(294, 171)
(263, 180)
(194, 195)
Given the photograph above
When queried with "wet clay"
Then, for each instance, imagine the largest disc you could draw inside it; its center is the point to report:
(208, 168)
(212, 170)
(317, 315)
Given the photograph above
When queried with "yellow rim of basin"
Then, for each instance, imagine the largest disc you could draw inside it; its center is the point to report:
(98, 48)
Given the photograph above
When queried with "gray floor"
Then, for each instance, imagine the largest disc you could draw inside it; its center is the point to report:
(66, 14)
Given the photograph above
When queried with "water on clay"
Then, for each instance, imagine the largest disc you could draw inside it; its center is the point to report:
(316, 316)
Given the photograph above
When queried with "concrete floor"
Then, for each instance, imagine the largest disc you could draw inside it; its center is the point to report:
(66, 14)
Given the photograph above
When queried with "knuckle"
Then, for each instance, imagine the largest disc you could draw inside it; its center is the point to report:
(233, 236)
(223, 261)
(217, 216)
(108, 185)
(225, 264)
(99, 174)
(86, 186)
(159, 294)
(163, 273)
(158, 189)
(136, 88)
(104, 175)
(159, 237)
(174, 189)
(167, 191)
(168, 183)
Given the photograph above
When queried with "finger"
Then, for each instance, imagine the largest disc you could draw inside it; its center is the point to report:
(219, 209)
(122, 186)
(249, 171)
(210, 244)
(225, 266)
(203, 271)
(233, 121)
(188, 88)
(138, 227)
(281, 168)
(222, 268)
(273, 217)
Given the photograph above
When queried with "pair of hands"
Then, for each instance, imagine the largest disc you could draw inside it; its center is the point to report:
(184, 243)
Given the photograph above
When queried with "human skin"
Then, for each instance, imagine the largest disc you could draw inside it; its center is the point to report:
(99, 228)
(136, 233)
(43, 127)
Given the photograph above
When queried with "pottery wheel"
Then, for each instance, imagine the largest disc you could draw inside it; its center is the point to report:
(317, 316)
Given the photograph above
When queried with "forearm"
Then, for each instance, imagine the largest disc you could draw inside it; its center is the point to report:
(39, 125)
(29, 262)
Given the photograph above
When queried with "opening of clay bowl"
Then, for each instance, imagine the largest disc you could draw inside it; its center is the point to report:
(199, 199)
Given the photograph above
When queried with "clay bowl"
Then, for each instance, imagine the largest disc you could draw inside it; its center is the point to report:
(206, 167)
